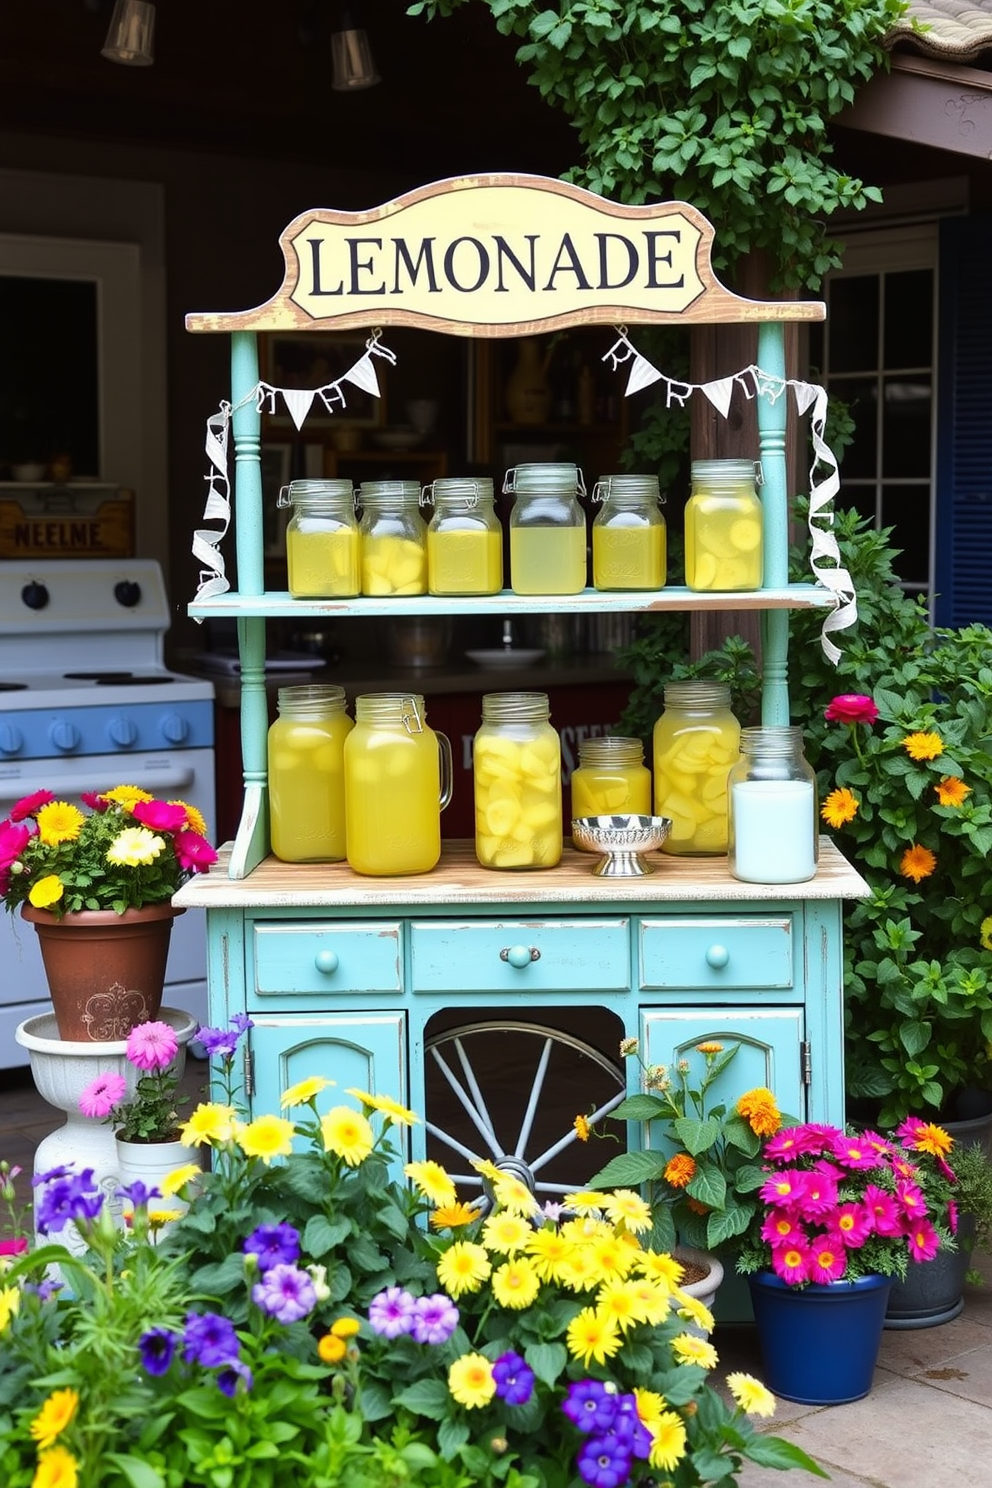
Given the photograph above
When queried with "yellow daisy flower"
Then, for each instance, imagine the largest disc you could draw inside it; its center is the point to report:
(470, 1381)
(10, 1301)
(650, 1405)
(195, 820)
(126, 795)
(612, 1258)
(923, 746)
(266, 1137)
(54, 1416)
(917, 863)
(951, 791)
(209, 1123)
(751, 1395)
(689, 1349)
(513, 1194)
(626, 1207)
(506, 1232)
(592, 1336)
(463, 1268)
(178, 1178)
(135, 847)
(59, 822)
(47, 891)
(586, 1202)
(579, 1272)
(347, 1134)
(303, 1091)
(668, 1442)
(386, 1106)
(985, 932)
(548, 1251)
(840, 807)
(487, 1169)
(619, 1300)
(430, 1179)
(452, 1216)
(56, 1468)
(662, 1268)
(694, 1311)
(652, 1299)
(515, 1284)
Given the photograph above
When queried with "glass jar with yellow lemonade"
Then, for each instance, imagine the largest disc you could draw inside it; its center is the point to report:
(516, 764)
(629, 548)
(397, 781)
(306, 774)
(464, 538)
(394, 538)
(547, 529)
(696, 743)
(723, 527)
(611, 777)
(322, 543)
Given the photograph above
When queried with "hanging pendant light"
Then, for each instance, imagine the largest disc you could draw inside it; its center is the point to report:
(131, 35)
(351, 56)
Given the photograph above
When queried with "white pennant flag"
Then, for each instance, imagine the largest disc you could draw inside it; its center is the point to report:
(642, 375)
(720, 393)
(362, 374)
(298, 401)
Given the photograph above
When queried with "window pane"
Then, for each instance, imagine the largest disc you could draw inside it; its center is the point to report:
(907, 510)
(48, 372)
(853, 323)
(909, 318)
(859, 393)
(906, 427)
(858, 496)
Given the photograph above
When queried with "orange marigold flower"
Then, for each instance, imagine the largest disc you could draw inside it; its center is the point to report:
(710, 1047)
(680, 1170)
(923, 746)
(951, 791)
(696, 1205)
(839, 807)
(917, 863)
(581, 1128)
(759, 1110)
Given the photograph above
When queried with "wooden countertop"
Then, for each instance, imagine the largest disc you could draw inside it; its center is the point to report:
(458, 880)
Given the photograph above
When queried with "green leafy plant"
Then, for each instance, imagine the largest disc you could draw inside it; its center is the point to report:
(973, 1196)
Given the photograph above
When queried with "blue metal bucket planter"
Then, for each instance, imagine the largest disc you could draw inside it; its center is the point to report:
(819, 1344)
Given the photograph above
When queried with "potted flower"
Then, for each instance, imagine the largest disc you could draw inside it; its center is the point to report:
(97, 888)
(841, 1215)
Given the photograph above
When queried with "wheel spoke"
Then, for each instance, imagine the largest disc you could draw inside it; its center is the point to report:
(572, 1136)
(535, 1093)
(477, 1114)
(454, 1144)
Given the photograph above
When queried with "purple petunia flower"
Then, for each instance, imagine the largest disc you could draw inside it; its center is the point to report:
(241, 1023)
(391, 1312)
(137, 1193)
(157, 1348)
(286, 1293)
(604, 1462)
(209, 1339)
(69, 1198)
(51, 1174)
(514, 1379)
(590, 1405)
(434, 1319)
(233, 1376)
(274, 1245)
(219, 1043)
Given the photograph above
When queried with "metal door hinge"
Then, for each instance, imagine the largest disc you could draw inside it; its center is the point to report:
(249, 1074)
(806, 1062)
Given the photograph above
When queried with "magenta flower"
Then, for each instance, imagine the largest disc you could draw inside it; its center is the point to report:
(886, 1216)
(28, 805)
(102, 1095)
(923, 1241)
(791, 1263)
(852, 1225)
(914, 1205)
(193, 852)
(94, 800)
(152, 1046)
(14, 838)
(952, 1216)
(780, 1227)
(854, 1153)
(827, 1259)
(159, 816)
(851, 707)
(783, 1189)
(819, 1196)
(13, 1247)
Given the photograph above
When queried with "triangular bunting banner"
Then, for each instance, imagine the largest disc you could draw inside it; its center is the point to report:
(642, 375)
(720, 393)
(298, 401)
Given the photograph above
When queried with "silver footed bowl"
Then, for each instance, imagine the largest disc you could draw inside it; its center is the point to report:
(620, 841)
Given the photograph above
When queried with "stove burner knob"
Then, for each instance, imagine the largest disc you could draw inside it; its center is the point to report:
(64, 735)
(35, 595)
(175, 728)
(127, 593)
(122, 731)
(11, 739)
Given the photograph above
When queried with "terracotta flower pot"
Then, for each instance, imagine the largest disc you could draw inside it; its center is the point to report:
(105, 971)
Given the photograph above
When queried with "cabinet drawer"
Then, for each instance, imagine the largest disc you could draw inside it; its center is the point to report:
(717, 952)
(520, 955)
(324, 958)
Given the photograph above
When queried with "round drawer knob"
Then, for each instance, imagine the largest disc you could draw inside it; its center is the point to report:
(326, 961)
(520, 955)
(717, 956)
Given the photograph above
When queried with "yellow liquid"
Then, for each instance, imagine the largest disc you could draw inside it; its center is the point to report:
(601, 792)
(723, 542)
(323, 561)
(306, 788)
(547, 560)
(691, 765)
(628, 556)
(517, 799)
(392, 790)
(393, 565)
(465, 561)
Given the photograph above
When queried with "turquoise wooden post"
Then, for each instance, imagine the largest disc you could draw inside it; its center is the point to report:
(775, 505)
(252, 841)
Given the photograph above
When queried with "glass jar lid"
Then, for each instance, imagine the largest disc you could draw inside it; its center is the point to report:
(545, 479)
(695, 694)
(626, 490)
(463, 491)
(611, 749)
(726, 471)
(311, 492)
(310, 699)
(515, 707)
(389, 493)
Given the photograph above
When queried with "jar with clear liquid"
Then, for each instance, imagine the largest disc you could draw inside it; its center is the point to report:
(612, 777)
(773, 813)
(696, 742)
(464, 539)
(394, 538)
(397, 781)
(322, 542)
(723, 527)
(516, 765)
(629, 548)
(306, 774)
(547, 529)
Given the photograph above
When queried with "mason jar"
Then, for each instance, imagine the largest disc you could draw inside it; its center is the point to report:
(397, 781)
(322, 542)
(306, 774)
(516, 764)
(773, 815)
(394, 538)
(629, 547)
(696, 741)
(723, 527)
(611, 777)
(464, 538)
(547, 529)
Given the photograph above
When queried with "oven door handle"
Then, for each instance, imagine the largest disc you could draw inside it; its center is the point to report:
(72, 783)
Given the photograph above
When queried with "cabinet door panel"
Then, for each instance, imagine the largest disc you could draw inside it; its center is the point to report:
(511, 956)
(717, 952)
(770, 1049)
(312, 960)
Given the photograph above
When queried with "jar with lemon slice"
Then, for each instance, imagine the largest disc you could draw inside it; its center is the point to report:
(612, 777)
(696, 743)
(516, 765)
(723, 527)
(394, 538)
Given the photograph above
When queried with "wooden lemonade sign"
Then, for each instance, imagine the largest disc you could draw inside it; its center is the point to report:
(496, 256)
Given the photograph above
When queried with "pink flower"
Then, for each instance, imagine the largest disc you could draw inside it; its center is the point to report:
(784, 1188)
(911, 1198)
(886, 1216)
(791, 1142)
(160, 816)
(855, 1153)
(827, 1259)
(791, 1263)
(851, 707)
(94, 800)
(102, 1095)
(923, 1241)
(193, 852)
(152, 1046)
(852, 1225)
(13, 1247)
(14, 838)
(952, 1216)
(819, 1195)
(780, 1228)
(28, 805)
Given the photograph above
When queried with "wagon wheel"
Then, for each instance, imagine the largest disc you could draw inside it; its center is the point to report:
(509, 1092)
